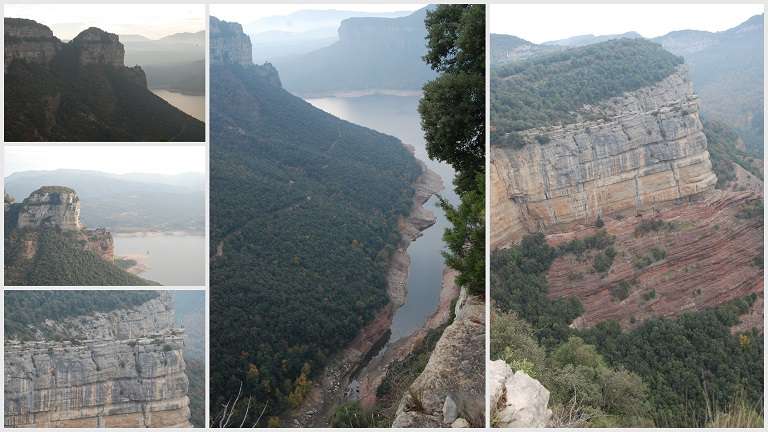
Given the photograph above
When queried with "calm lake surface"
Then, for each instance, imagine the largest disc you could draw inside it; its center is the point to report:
(398, 116)
(192, 105)
(170, 259)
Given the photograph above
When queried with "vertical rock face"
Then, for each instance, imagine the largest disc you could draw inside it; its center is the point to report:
(95, 46)
(123, 368)
(53, 206)
(29, 41)
(649, 148)
(228, 43)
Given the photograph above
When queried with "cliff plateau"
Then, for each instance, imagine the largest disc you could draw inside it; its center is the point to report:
(122, 368)
(637, 151)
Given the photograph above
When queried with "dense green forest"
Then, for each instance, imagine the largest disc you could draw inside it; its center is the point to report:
(304, 218)
(687, 371)
(25, 308)
(59, 260)
(95, 103)
(548, 89)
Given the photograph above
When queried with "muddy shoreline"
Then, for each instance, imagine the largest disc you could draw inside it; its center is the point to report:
(329, 389)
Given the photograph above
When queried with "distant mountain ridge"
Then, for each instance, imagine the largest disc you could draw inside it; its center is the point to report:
(371, 54)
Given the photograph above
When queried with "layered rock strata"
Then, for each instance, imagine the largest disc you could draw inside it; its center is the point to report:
(123, 368)
(711, 256)
(637, 151)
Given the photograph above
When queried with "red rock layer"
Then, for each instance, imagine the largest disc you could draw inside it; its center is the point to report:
(709, 261)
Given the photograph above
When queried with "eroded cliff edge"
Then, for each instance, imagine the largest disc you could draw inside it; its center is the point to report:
(122, 368)
(646, 148)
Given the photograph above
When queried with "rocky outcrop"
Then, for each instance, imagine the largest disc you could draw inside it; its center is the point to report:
(450, 392)
(100, 242)
(228, 43)
(29, 41)
(95, 46)
(634, 152)
(50, 206)
(33, 42)
(122, 368)
(517, 400)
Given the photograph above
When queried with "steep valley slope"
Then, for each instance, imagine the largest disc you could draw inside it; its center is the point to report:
(305, 214)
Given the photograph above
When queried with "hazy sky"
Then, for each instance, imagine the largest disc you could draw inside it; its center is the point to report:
(150, 20)
(111, 159)
(546, 22)
(243, 13)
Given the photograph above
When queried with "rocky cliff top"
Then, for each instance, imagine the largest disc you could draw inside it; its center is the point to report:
(152, 318)
(95, 46)
(229, 44)
(33, 42)
(450, 392)
(50, 206)
(21, 28)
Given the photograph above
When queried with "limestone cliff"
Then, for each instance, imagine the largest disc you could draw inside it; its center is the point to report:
(122, 368)
(33, 42)
(450, 392)
(95, 46)
(628, 153)
(29, 41)
(52, 206)
(228, 43)
(56, 207)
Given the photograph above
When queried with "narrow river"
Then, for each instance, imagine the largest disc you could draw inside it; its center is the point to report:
(398, 116)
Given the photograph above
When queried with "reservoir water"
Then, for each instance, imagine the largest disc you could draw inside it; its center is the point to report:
(192, 105)
(166, 258)
(398, 116)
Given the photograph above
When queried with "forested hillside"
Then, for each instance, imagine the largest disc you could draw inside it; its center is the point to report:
(547, 89)
(304, 218)
(59, 259)
(687, 371)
